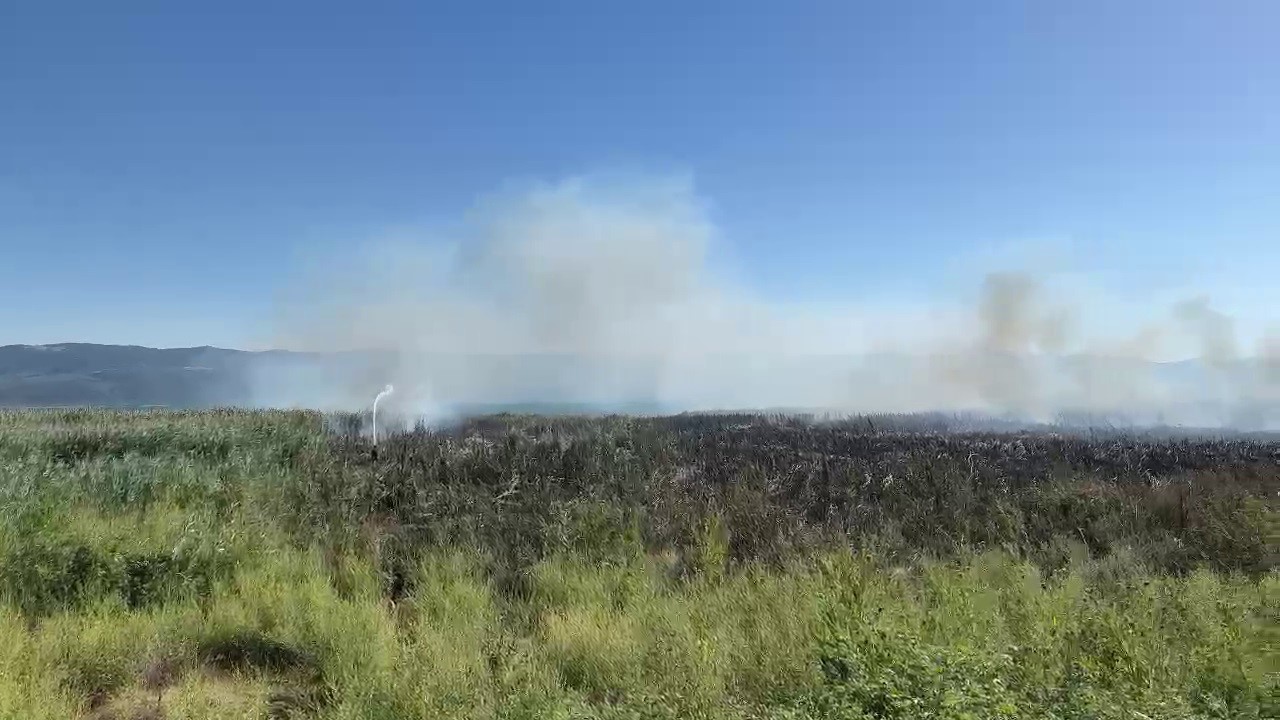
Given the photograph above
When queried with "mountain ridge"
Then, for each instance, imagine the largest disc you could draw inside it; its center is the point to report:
(75, 374)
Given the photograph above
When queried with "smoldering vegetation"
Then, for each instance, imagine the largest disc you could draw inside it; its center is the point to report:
(904, 485)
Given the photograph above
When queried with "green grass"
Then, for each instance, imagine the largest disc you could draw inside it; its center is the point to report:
(231, 565)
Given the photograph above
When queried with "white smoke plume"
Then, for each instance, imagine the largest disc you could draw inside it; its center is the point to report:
(604, 294)
(385, 392)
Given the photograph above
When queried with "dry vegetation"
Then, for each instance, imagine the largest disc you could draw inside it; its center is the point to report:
(237, 564)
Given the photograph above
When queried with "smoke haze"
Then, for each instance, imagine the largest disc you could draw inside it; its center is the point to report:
(605, 294)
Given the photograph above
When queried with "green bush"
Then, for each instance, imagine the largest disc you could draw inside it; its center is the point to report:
(42, 573)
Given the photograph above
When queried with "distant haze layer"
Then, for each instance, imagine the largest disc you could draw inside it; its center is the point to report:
(602, 292)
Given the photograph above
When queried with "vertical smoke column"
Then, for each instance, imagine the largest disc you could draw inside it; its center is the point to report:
(385, 392)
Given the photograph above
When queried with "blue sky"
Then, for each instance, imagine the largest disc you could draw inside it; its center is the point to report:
(166, 167)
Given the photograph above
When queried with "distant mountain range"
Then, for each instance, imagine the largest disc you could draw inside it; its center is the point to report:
(1241, 394)
(78, 374)
(130, 376)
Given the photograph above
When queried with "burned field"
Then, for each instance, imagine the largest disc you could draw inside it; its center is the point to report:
(903, 486)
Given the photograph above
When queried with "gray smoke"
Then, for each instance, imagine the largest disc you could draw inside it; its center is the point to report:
(1270, 357)
(604, 294)
(1214, 332)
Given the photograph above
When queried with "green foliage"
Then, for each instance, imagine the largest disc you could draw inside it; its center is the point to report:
(41, 574)
(891, 676)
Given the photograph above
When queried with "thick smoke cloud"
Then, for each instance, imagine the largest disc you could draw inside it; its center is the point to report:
(605, 294)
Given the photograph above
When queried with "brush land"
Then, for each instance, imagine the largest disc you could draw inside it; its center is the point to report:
(231, 564)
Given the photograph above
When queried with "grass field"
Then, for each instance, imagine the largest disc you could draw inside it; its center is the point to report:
(237, 564)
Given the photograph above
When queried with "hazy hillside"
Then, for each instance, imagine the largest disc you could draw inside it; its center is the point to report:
(121, 376)
(79, 374)
(124, 376)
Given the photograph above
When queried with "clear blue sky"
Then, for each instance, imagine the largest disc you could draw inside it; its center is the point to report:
(163, 164)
